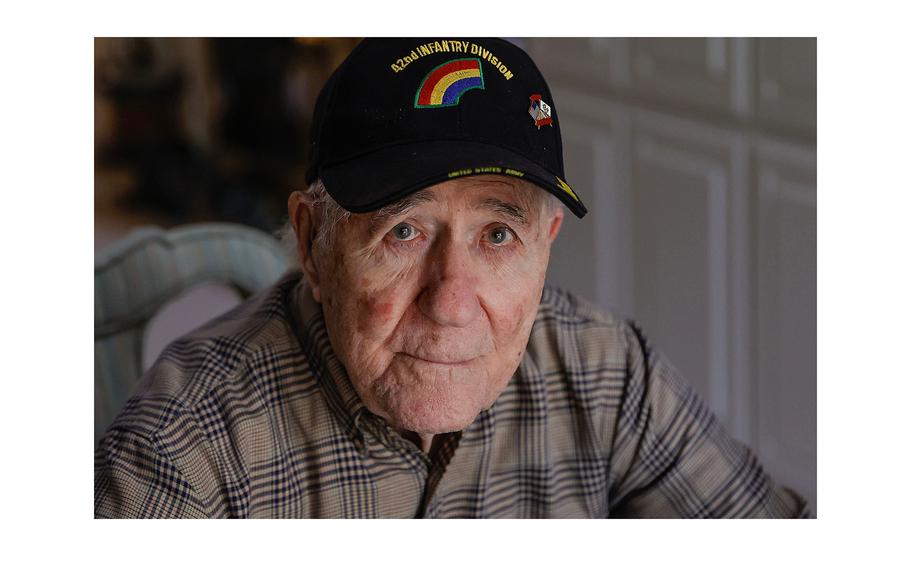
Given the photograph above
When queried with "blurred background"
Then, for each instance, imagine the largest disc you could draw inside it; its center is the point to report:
(696, 158)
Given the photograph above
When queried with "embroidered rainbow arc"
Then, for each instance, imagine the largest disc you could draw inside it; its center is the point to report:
(444, 85)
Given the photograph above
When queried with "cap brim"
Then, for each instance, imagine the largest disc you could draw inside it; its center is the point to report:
(371, 181)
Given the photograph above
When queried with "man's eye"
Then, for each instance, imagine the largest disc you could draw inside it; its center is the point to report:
(500, 236)
(403, 232)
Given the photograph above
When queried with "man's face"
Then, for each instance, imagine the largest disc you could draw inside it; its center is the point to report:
(429, 303)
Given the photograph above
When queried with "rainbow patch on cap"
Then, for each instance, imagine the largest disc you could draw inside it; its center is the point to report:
(444, 85)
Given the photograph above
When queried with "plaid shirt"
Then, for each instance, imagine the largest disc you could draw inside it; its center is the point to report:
(252, 415)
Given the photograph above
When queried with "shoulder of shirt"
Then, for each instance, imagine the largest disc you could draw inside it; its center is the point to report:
(572, 334)
(571, 307)
(600, 337)
(232, 352)
(568, 309)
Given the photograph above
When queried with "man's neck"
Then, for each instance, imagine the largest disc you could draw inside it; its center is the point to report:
(422, 441)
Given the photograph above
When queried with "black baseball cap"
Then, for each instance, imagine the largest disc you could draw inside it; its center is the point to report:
(402, 114)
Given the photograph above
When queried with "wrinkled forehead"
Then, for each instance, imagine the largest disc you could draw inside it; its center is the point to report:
(512, 197)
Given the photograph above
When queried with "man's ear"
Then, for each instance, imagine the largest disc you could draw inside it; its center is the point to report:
(555, 223)
(304, 218)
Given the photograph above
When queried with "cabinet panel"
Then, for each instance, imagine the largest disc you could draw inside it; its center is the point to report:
(689, 191)
(573, 258)
(592, 256)
(598, 65)
(786, 86)
(786, 312)
(692, 73)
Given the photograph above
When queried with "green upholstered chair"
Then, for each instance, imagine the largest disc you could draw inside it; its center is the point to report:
(150, 267)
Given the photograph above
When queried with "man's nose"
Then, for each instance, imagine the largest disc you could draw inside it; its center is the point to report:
(450, 294)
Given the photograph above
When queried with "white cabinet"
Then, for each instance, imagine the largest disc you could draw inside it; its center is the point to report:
(705, 74)
(593, 259)
(786, 310)
(696, 159)
(786, 84)
(595, 65)
(690, 244)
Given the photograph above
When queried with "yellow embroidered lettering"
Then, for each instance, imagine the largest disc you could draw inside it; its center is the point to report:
(458, 173)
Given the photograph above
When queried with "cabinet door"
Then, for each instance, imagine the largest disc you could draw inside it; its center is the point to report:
(594, 65)
(787, 77)
(691, 269)
(786, 312)
(592, 256)
(701, 74)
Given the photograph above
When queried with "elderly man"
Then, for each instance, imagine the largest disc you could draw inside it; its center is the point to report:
(416, 365)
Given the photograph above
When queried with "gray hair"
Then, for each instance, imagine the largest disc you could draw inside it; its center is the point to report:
(333, 216)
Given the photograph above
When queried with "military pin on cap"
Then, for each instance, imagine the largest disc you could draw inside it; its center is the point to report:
(540, 112)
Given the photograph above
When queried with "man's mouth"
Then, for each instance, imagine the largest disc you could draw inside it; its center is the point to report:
(435, 360)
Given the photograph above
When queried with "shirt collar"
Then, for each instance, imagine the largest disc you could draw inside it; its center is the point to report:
(308, 323)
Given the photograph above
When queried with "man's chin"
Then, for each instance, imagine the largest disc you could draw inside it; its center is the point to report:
(434, 403)
(429, 423)
(431, 417)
